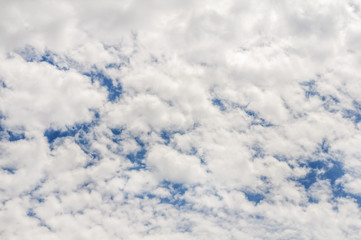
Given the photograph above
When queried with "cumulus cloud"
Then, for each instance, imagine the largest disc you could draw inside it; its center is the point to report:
(180, 120)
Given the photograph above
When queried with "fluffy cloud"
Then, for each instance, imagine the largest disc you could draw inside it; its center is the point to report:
(180, 120)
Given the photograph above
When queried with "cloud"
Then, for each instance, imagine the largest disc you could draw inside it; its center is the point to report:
(174, 166)
(180, 120)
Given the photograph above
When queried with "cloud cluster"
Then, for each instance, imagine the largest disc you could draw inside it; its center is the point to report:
(180, 119)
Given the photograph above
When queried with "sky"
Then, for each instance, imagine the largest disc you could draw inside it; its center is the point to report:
(179, 119)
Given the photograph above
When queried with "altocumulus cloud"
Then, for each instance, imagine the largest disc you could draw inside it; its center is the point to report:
(180, 119)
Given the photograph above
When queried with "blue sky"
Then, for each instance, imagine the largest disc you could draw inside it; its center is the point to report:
(180, 120)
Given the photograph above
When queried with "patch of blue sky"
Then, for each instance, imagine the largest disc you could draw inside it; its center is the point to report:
(321, 170)
(281, 158)
(80, 133)
(115, 65)
(310, 88)
(265, 180)
(145, 195)
(177, 191)
(203, 162)
(353, 114)
(88, 186)
(328, 101)
(334, 172)
(330, 170)
(3, 84)
(257, 120)
(49, 57)
(137, 158)
(114, 89)
(258, 152)
(2, 130)
(325, 167)
(308, 180)
(118, 50)
(8, 135)
(339, 192)
(15, 136)
(174, 188)
(30, 54)
(256, 216)
(117, 134)
(90, 163)
(194, 151)
(219, 103)
(117, 131)
(9, 170)
(176, 197)
(32, 214)
(324, 146)
(357, 106)
(34, 194)
(11, 136)
(53, 134)
(256, 198)
(168, 135)
(81, 137)
(85, 144)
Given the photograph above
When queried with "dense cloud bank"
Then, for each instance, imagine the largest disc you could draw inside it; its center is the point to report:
(180, 119)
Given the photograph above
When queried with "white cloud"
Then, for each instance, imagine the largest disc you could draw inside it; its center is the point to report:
(38, 96)
(234, 120)
(174, 166)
